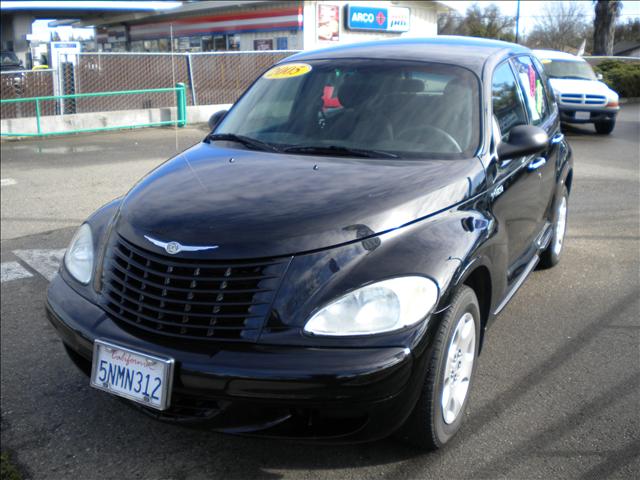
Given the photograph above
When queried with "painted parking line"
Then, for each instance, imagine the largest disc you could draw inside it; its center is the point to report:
(13, 271)
(5, 182)
(45, 262)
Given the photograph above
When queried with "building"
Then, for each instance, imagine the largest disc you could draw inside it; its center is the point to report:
(627, 49)
(17, 18)
(263, 25)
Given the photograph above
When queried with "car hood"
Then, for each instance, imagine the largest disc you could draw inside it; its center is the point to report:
(256, 204)
(594, 87)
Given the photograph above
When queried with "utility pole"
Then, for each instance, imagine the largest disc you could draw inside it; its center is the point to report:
(518, 22)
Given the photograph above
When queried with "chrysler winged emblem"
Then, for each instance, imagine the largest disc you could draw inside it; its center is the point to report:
(174, 247)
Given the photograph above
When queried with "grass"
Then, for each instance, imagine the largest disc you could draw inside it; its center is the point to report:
(7, 470)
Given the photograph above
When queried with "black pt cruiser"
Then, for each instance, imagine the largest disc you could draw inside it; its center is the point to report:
(325, 264)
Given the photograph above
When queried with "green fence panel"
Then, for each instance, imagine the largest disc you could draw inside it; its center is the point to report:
(181, 110)
(181, 103)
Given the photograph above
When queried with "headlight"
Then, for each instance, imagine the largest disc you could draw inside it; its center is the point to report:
(377, 308)
(78, 258)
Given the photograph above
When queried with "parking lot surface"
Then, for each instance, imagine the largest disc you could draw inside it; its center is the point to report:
(557, 393)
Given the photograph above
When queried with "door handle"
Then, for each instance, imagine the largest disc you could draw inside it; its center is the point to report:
(557, 138)
(537, 163)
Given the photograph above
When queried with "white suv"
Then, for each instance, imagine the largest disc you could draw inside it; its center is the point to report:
(581, 96)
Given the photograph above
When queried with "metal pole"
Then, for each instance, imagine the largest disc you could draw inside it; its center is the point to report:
(54, 79)
(62, 83)
(194, 100)
(518, 22)
(76, 88)
(181, 100)
(38, 116)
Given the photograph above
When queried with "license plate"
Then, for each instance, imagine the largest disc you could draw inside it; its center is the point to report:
(583, 115)
(137, 376)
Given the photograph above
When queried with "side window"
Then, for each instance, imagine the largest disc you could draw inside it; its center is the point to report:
(507, 103)
(551, 101)
(533, 89)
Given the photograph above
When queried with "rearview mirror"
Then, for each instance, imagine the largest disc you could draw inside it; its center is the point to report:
(216, 118)
(523, 140)
(599, 76)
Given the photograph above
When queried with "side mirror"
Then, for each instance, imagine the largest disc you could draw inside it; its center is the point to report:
(523, 140)
(599, 76)
(216, 118)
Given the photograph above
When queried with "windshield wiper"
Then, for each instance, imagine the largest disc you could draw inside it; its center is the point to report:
(339, 151)
(246, 141)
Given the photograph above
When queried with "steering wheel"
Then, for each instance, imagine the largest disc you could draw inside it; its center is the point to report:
(426, 130)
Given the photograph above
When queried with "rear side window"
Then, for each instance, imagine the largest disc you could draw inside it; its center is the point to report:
(506, 99)
(532, 89)
(551, 102)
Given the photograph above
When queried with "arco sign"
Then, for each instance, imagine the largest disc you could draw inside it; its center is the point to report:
(392, 19)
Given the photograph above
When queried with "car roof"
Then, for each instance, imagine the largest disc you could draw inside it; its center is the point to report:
(468, 52)
(556, 55)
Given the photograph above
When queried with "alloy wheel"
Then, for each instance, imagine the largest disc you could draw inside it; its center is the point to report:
(561, 225)
(458, 368)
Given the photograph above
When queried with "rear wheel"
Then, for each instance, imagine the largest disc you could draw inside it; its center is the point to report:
(440, 409)
(605, 127)
(551, 256)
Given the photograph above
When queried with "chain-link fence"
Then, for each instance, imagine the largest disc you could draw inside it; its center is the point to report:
(99, 72)
(210, 78)
(25, 84)
(222, 77)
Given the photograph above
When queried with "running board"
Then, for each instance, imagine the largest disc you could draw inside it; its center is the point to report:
(543, 240)
(523, 276)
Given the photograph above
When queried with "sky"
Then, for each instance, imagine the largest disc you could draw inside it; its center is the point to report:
(41, 31)
(531, 9)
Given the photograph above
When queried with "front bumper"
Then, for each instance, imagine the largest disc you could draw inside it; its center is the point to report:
(600, 114)
(326, 394)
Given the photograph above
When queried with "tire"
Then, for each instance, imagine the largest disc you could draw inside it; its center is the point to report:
(605, 127)
(551, 256)
(430, 426)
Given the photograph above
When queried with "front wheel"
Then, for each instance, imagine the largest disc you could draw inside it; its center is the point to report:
(551, 256)
(605, 127)
(440, 409)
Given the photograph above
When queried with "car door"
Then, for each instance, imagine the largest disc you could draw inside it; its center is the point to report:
(516, 188)
(542, 113)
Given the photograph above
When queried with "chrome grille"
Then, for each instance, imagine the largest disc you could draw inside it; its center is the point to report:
(583, 99)
(182, 298)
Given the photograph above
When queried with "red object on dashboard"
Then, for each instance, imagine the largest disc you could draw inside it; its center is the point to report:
(328, 100)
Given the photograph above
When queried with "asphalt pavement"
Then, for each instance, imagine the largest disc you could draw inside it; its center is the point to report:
(558, 387)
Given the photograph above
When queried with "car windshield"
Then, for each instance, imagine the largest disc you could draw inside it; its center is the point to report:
(9, 58)
(366, 108)
(571, 69)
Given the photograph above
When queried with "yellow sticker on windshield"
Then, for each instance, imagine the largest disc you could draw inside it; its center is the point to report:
(545, 60)
(288, 70)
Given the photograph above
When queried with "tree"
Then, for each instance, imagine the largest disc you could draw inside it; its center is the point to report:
(561, 26)
(449, 24)
(628, 32)
(478, 22)
(604, 25)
